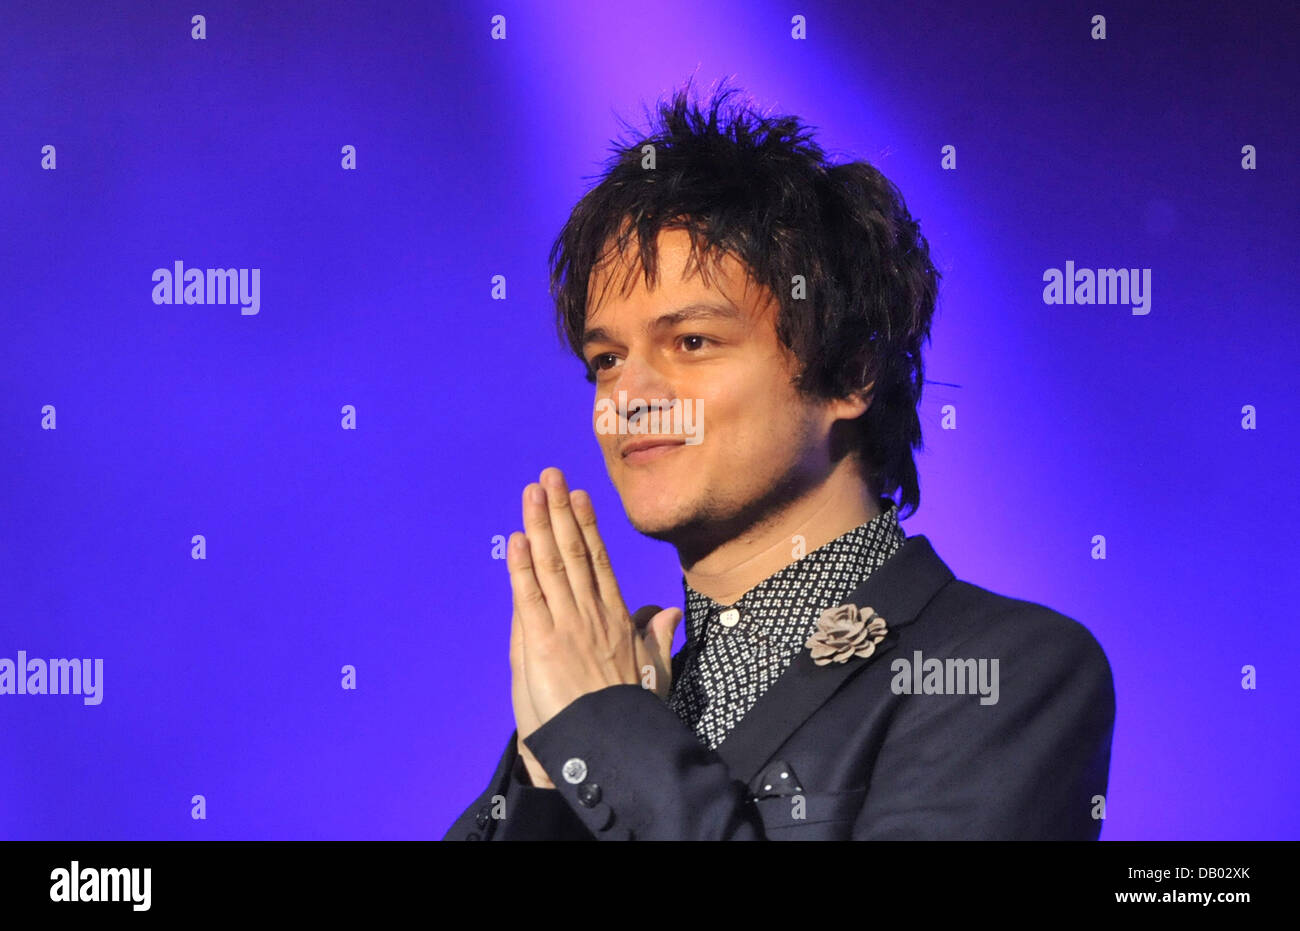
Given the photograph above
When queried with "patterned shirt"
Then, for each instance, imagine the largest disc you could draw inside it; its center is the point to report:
(734, 653)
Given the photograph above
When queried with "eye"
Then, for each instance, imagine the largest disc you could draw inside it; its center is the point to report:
(598, 363)
(693, 342)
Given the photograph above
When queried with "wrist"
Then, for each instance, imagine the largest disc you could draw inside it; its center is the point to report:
(529, 771)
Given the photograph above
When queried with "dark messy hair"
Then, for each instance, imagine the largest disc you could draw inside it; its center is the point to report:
(758, 188)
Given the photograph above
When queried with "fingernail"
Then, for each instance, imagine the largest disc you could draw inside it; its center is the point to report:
(536, 495)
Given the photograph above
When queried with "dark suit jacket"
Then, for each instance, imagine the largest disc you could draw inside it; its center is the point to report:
(834, 752)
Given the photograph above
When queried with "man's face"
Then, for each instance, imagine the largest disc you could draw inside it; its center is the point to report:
(715, 348)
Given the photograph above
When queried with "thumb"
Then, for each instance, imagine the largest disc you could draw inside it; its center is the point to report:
(659, 633)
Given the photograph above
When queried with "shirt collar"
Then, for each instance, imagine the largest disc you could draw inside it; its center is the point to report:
(815, 581)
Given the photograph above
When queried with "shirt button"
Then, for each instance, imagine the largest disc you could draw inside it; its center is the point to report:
(729, 617)
(588, 795)
(575, 770)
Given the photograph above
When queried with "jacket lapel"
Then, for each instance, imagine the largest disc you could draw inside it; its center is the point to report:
(898, 591)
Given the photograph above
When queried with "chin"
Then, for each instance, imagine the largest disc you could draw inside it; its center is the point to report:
(651, 520)
(659, 517)
(664, 534)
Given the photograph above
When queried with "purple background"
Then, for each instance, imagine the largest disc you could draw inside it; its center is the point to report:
(373, 547)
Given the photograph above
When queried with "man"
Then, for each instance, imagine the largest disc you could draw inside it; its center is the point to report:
(837, 681)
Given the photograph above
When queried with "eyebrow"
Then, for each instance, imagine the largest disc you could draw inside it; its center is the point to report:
(696, 311)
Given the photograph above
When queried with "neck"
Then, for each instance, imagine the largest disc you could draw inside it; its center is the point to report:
(829, 510)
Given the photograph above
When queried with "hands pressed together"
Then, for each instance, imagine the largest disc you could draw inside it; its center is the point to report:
(571, 633)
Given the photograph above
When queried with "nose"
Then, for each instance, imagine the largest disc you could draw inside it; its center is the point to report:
(647, 386)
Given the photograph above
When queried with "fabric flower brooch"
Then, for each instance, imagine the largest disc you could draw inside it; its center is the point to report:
(846, 631)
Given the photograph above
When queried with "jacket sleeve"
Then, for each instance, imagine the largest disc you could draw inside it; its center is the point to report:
(513, 809)
(1030, 766)
(537, 814)
(631, 769)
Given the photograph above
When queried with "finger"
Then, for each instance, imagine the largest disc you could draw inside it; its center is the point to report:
(641, 616)
(520, 698)
(518, 682)
(568, 538)
(516, 642)
(547, 565)
(596, 552)
(530, 603)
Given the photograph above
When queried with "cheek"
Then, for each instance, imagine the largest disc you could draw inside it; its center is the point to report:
(751, 412)
(767, 433)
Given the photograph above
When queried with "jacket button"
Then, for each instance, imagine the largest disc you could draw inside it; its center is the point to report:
(471, 836)
(482, 818)
(588, 795)
(575, 770)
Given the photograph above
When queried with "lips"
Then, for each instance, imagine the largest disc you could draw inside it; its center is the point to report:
(643, 448)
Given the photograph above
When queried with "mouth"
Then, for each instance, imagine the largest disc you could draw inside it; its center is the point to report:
(650, 449)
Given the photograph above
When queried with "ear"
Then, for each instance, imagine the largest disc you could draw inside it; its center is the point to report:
(854, 405)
